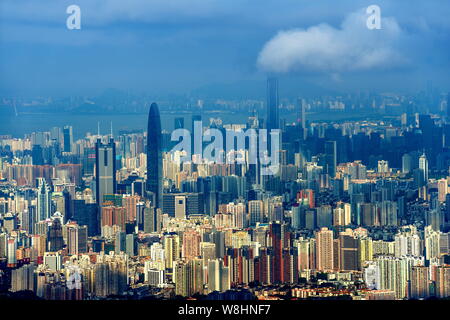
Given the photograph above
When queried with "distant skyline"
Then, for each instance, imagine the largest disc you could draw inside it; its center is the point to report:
(184, 46)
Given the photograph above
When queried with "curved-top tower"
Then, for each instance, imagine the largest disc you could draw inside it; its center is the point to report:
(154, 155)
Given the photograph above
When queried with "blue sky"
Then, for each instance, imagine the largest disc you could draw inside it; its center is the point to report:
(176, 46)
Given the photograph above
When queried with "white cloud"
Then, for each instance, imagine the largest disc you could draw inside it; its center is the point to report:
(323, 48)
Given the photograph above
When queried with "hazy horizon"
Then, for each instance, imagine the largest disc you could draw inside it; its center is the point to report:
(162, 48)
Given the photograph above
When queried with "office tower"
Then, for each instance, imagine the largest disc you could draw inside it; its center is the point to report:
(37, 155)
(154, 157)
(420, 282)
(324, 216)
(273, 121)
(423, 167)
(120, 242)
(218, 238)
(44, 200)
(131, 244)
(88, 161)
(56, 134)
(277, 235)
(406, 163)
(256, 211)
(152, 220)
(324, 249)
(140, 215)
(302, 120)
(298, 216)
(68, 138)
(330, 158)
(180, 207)
(105, 169)
(28, 219)
(86, 214)
(196, 136)
(275, 211)
(447, 207)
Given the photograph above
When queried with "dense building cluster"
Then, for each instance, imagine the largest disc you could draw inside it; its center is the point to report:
(356, 210)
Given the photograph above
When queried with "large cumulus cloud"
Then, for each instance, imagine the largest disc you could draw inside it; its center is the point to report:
(324, 48)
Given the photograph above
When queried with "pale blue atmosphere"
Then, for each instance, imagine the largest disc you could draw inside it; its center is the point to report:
(221, 47)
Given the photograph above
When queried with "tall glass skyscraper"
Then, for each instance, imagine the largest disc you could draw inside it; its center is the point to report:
(44, 200)
(330, 158)
(273, 121)
(68, 138)
(105, 169)
(154, 156)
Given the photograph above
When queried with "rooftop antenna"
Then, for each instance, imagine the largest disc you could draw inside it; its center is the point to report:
(98, 129)
(111, 131)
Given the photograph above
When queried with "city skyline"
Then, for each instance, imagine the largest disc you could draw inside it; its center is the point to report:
(284, 151)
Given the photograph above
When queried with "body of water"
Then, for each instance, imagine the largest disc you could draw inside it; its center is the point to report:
(23, 124)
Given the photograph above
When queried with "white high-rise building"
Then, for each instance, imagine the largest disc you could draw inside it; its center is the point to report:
(423, 166)
(44, 200)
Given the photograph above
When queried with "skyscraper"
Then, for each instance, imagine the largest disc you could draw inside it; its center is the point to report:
(44, 200)
(423, 167)
(302, 118)
(196, 139)
(330, 158)
(105, 169)
(154, 156)
(68, 138)
(77, 239)
(273, 121)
